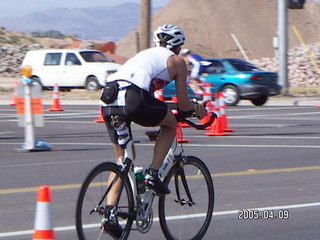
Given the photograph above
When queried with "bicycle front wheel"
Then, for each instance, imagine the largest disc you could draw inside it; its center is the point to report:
(92, 202)
(186, 213)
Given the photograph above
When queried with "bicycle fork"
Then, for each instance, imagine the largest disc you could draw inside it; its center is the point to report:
(180, 172)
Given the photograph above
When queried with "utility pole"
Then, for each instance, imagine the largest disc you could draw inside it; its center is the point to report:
(145, 22)
(283, 44)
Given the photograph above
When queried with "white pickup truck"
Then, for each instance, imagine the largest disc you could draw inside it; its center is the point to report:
(70, 68)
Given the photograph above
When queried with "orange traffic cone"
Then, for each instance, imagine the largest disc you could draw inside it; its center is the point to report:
(180, 138)
(223, 114)
(183, 124)
(56, 99)
(43, 222)
(212, 108)
(209, 108)
(216, 126)
(180, 124)
(207, 96)
(100, 118)
(15, 95)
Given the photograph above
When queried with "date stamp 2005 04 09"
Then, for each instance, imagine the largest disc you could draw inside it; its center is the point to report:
(254, 214)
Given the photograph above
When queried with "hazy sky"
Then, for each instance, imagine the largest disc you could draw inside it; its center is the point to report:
(10, 8)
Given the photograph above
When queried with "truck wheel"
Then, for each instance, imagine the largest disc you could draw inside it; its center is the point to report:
(92, 84)
(36, 80)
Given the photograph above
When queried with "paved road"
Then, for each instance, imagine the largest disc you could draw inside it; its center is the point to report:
(271, 162)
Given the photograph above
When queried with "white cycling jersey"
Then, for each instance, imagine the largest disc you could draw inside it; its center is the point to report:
(147, 69)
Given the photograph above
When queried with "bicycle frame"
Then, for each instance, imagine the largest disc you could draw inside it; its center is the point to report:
(163, 171)
(167, 164)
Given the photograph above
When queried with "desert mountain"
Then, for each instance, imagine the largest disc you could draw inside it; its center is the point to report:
(209, 23)
(98, 23)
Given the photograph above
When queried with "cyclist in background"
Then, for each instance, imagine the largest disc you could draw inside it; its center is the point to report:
(139, 77)
(195, 61)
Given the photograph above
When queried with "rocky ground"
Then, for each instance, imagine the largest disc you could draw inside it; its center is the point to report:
(303, 63)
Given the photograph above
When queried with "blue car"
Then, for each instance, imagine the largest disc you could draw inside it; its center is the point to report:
(237, 79)
(169, 91)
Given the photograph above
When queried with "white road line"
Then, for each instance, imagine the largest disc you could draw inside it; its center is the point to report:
(215, 214)
(259, 137)
(275, 115)
(188, 145)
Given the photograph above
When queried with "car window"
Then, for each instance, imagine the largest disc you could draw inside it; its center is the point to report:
(52, 59)
(91, 56)
(216, 67)
(71, 59)
(243, 66)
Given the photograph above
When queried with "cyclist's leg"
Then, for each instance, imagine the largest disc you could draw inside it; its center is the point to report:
(119, 153)
(120, 133)
(164, 141)
(114, 191)
(148, 111)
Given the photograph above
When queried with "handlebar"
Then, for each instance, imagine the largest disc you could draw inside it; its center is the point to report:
(212, 117)
(181, 117)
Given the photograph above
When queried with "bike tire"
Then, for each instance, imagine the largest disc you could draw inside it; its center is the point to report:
(88, 225)
(187, 222)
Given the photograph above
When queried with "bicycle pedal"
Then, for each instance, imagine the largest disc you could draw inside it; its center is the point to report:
(182, 202)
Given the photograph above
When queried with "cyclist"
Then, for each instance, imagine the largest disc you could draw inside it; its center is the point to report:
(195, 61)
(138, 78)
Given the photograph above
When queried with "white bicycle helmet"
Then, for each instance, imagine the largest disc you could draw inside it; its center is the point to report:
(169, 34)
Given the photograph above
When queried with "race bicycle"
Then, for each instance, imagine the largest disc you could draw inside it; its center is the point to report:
(185, 213)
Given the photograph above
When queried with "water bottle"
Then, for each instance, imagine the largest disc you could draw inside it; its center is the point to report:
(140, 179)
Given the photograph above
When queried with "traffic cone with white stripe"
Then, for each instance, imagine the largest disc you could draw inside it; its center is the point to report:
(56, 99)
(43, 226)
(179, 136)
(224, 119)
(216, 126)
(15, 95)
(100, 118)
(174, 99)
(207, 97)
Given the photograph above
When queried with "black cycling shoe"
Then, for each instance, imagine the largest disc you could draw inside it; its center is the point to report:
(113, 229)
(111, 224)
(153, 182)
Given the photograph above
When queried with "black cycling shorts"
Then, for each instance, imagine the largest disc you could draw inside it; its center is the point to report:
(140, 107)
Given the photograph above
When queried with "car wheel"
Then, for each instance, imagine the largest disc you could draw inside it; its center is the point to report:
(92, 84)
(37, 81)
(259, 101)
(231, 95)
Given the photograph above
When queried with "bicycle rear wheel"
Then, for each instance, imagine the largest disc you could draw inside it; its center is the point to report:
(91, 203)
(187, 219)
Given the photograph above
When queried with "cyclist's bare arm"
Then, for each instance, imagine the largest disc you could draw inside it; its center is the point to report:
(178, 71)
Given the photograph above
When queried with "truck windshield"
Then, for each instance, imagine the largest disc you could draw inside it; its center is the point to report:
(92, 56)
